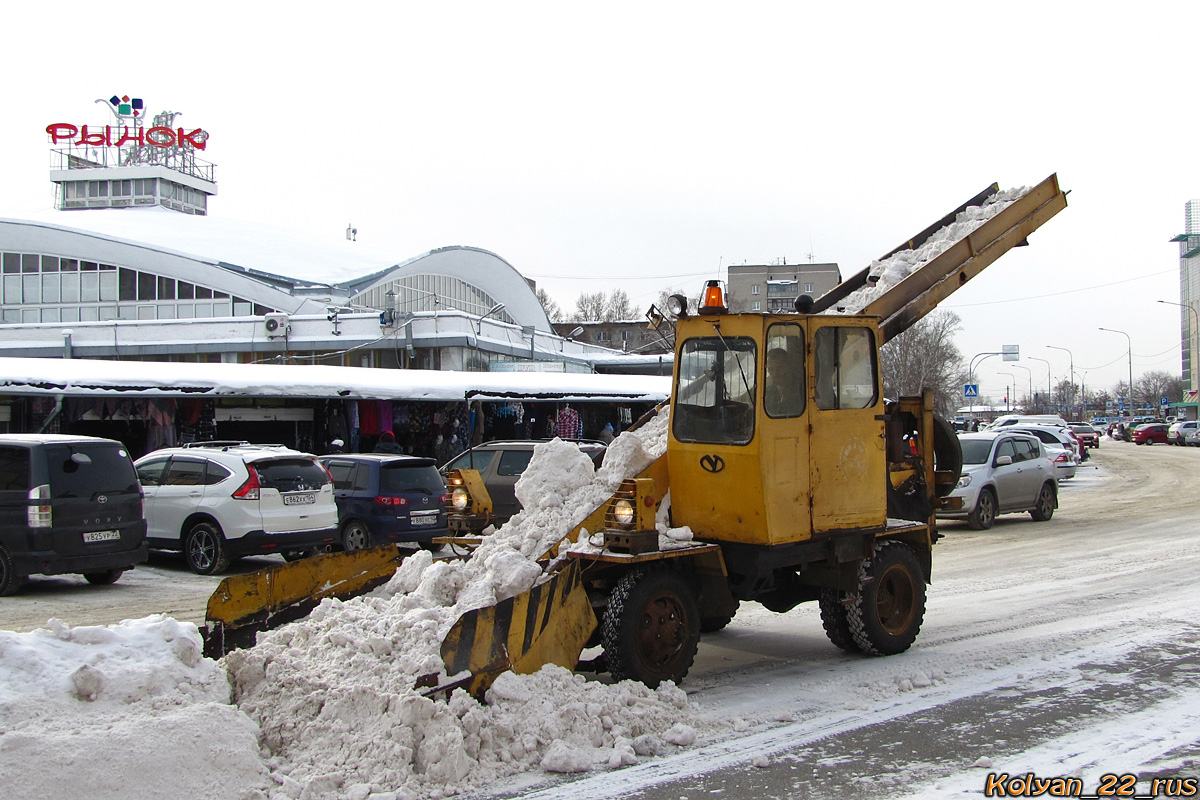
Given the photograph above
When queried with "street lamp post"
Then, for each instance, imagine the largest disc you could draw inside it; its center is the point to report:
(971, 368)
(1008, 389)
(1027, 369)
(1071, 395)
(1049, 391)
(1195, 376)
(1130, 341)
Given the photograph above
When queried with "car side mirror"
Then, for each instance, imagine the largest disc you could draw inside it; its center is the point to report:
(1003, 461)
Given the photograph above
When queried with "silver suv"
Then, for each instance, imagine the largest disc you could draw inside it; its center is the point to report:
(217, 501)
(1004, 472)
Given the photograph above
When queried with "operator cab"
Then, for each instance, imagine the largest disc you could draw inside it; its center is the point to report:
(776, 424)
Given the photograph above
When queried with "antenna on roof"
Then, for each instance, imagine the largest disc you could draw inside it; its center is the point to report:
(351, 233)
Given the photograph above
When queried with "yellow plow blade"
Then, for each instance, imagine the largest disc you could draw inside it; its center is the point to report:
(243, 605)
(549, 624)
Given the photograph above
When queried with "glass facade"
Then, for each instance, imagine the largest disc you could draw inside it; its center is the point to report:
(40, 287)
(132, 192)
(429, 292)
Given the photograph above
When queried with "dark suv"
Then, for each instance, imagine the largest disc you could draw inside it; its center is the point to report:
(501, 463)
(385, 498)
(68, 504)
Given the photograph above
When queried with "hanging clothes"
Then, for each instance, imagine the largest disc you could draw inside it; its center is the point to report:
(568, 425)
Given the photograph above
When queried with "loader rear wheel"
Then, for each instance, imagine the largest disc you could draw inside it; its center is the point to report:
(887, 610)
(947, 452)
(651, 628)
(834, 621)
(711, 623)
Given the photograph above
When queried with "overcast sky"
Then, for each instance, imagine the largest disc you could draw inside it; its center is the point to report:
(647, 145)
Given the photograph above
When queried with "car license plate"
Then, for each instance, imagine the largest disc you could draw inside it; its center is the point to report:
(299, 499)
(101, 536)
(431, 519)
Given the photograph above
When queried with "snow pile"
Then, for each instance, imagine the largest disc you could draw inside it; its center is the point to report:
(124, 710)
(333, 693)
(899, 266)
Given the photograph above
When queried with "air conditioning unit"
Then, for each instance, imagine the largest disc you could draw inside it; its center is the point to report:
(275, 324)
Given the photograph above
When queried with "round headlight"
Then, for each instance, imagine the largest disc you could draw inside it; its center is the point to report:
(623, 513)
(460, 498)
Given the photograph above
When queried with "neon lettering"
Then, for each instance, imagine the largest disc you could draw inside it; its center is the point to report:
(94, 139)
(197, 138)
(138, 137)
(60, 131)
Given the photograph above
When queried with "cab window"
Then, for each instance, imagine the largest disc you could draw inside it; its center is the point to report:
(715, 390)
(783, 384)
(845, 368)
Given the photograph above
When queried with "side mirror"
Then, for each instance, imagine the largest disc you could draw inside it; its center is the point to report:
(1003, 461)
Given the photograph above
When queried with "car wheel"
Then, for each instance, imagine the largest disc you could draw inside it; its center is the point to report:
(886, 612)
(984, 513)
(204, 549)
(355, 536)
(10, 582)
(835, 622)
(651, 627)
(1044, 508)
(103, 578)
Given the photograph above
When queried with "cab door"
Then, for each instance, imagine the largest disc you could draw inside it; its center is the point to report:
(847, 460)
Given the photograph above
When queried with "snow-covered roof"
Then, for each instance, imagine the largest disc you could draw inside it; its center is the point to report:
(75, 377)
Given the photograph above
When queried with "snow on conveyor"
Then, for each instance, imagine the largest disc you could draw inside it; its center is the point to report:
(895, 268)
(324, 708)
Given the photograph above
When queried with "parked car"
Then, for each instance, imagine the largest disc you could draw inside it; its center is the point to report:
(385, 498)
(218, 501)
(68, 504)
(1004, 472)
(501, 463)
(1191, 438)
(1177, 432)
(1062, 448)
(1026, 419)
(1150, 433)
(1086, 433)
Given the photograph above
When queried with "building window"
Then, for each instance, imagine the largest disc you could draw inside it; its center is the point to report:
(757, 306)
(808, 288)
(601, 336)
(754, 289)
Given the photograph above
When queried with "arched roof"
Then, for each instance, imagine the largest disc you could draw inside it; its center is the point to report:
(270, 266)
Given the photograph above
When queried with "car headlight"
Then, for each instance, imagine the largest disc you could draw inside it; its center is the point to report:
(623, 513)
(964, 481)
(460, 499)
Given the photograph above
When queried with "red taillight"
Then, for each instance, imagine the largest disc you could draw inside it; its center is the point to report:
(249, 489)
(1062, 457)
(391, 501)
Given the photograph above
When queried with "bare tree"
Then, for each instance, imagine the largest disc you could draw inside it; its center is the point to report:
(590, 307)
(1153, 386)
(620, 307)
(552, 309)
(925, 356)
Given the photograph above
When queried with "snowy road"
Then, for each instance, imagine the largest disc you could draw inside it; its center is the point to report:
(1065, 649)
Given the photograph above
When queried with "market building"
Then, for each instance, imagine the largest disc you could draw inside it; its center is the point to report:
(133, 264)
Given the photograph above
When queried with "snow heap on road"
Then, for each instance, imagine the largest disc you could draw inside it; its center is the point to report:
(325, 708)
(333, 693)
(895, 268)
(128, 710)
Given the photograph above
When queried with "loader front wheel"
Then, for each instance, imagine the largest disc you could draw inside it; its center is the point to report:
(651, 628)
(834, 621)
(886, 612)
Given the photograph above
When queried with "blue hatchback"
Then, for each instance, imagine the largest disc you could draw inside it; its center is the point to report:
(385, 498)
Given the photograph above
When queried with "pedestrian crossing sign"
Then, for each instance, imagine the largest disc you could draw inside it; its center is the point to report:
(971, 390)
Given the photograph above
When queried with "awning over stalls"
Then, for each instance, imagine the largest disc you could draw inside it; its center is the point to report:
(85, 377)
